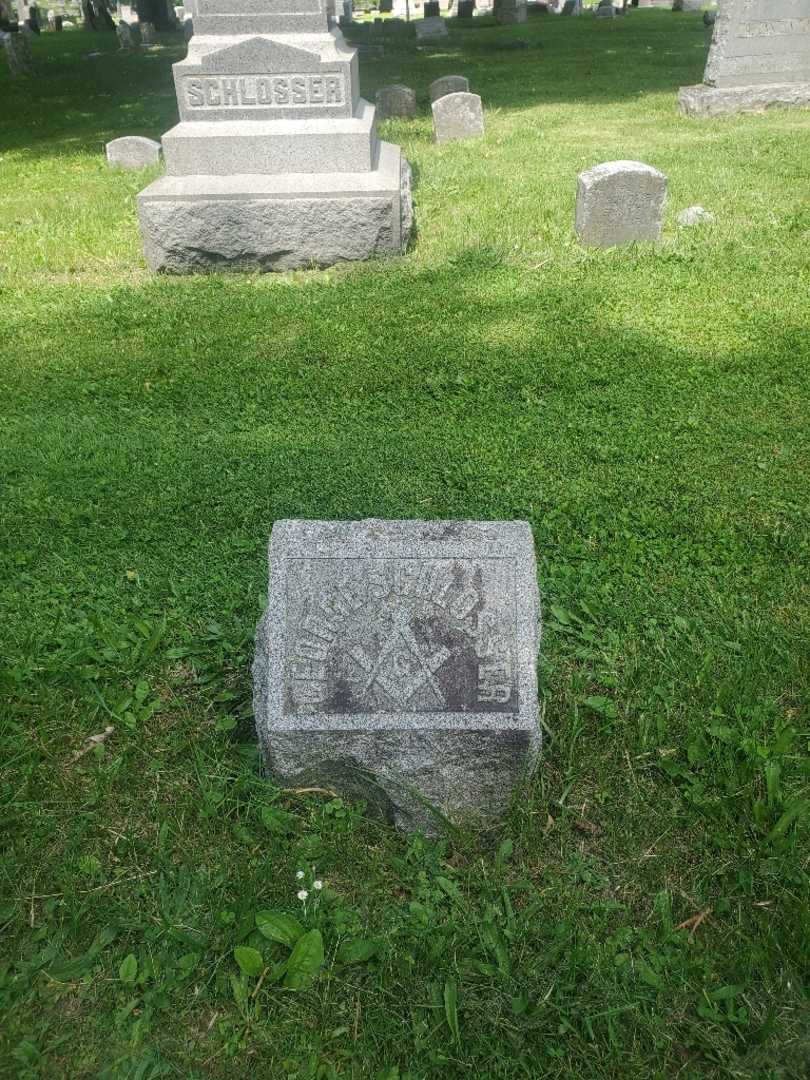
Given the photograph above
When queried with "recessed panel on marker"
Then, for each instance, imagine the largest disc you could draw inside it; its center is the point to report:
(400, 635)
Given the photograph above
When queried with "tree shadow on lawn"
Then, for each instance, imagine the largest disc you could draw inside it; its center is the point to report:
(235, 402)
(78, 104)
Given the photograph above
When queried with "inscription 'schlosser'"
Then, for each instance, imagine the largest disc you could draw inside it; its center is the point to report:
(263, 91)
(402, 635)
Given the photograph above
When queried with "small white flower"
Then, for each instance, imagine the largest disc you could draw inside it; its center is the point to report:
(317, 884)
(299, 875)
(303, 894)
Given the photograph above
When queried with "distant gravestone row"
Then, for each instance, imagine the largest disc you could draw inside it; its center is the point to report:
(457, 114)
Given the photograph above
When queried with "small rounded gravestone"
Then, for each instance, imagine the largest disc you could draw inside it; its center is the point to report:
(395, 100)
(18, 53)
(509, 12)
(133, 152)
(619, 202)
(126, 39)
(448, 84)
(458, 116)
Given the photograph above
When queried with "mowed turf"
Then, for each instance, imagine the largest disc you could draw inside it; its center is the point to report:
(644, 911)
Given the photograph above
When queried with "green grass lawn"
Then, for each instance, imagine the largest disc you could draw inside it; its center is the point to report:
(644, 911)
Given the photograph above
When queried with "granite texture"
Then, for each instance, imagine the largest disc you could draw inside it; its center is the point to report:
(260, 17)
(760, 42)
(275, 163)
(759, 57)
(262, 78)
(458, 116)
(218, 148)
(133, 152)
(707, 101)
(395, 100)
(396, 661)
(448, 84)
(619, 202)
(203, 224)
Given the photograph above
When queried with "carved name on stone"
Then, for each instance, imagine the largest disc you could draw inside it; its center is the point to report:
(383, 635)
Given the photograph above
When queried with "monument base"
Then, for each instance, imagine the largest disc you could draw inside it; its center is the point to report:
(705, 100)
(201, 224)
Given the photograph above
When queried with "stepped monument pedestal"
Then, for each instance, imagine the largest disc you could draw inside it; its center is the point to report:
(276, 163)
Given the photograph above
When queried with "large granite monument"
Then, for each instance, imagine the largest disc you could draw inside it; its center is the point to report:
(760, 56)
(275, 163)
(396, 661)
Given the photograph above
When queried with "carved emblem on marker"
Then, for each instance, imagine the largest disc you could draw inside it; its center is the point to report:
(400, 635)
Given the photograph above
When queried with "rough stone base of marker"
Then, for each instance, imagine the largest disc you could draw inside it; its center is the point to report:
(194, 224)
(702, 100)
(396, 663)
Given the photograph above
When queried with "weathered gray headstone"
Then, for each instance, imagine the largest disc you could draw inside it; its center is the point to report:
(18, 54)
(605, 10)
(448, 84)
(430, 28)
(458, 116)
(395, 100)
(572, 7)
(620, 202)
(396, 661)
(147, 33)
(760, 56)
(126, 38)
(133, 152)
(276, 162)
(508, 12)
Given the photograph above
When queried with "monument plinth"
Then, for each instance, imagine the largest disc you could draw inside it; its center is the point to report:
(396, 661)
(759, 57)
(275, 163)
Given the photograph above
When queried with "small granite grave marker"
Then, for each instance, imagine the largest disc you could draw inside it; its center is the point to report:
(619, 202)
(395, 100)
(509, 12)
(147, 33)
(605, 10)
(760, 56)
(448, 84)
(126, 39)
(18, 54)
(396, 661)
(430, 28)
(133, 152)
(458, 116)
